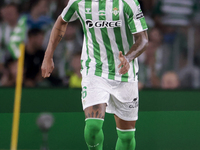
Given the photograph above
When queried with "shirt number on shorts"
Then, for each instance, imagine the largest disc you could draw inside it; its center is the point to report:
(84, 92)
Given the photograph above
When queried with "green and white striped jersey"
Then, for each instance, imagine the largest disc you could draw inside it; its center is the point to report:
(108, 26)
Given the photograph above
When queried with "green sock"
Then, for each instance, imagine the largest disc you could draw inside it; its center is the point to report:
(93, 133)
(126, 139)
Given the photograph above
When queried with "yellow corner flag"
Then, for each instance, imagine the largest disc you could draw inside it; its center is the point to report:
(17, 102)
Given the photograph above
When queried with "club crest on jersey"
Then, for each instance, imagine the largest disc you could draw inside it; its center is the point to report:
(115, 11)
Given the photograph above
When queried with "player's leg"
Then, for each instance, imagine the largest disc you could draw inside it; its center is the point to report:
(126, 134)
(94, 99)
(93, 128)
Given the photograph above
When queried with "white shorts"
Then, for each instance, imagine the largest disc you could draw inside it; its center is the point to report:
(121, 97)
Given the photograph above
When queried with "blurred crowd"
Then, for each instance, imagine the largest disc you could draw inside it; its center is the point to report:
(172, 59)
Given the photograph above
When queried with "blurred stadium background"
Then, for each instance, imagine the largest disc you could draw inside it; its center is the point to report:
(169, 77)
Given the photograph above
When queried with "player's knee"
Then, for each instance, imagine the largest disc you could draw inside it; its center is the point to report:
(93, 125)
(126, 136)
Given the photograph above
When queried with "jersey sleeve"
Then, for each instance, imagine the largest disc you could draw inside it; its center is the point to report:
(136, 20)
(69, 12)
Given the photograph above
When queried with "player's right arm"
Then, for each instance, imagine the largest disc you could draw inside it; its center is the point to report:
(57, 33)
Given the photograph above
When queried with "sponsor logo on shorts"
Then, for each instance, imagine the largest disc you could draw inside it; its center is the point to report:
(134, 103)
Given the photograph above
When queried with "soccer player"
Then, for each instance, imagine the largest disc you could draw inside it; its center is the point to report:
(114, 36)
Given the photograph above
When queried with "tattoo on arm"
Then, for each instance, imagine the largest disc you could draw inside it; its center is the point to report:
(60, 30)
(60, 37)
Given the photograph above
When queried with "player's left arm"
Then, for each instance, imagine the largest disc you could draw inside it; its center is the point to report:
(141, 42)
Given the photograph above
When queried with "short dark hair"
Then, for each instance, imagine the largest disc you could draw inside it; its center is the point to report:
(34, 32)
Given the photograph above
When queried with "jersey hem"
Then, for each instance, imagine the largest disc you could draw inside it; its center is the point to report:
(119, 78)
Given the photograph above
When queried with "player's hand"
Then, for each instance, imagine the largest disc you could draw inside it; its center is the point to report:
(47, 67)
(124, 64)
